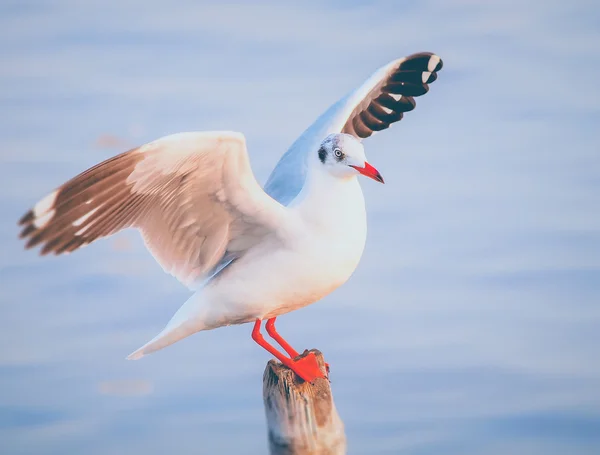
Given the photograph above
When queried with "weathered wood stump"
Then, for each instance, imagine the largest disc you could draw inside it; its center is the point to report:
(301, 417)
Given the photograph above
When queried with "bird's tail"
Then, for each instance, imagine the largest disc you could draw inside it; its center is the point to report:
(189, 319)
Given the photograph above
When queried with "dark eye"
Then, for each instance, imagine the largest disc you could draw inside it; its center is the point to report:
(338, 153)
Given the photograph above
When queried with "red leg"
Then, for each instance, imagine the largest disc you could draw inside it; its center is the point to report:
(257, 336)
(270, 326)
(307, 367)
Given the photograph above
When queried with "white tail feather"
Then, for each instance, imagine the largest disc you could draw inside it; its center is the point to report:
(189, 319)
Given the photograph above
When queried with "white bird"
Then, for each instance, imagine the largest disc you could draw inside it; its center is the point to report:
(249, 254)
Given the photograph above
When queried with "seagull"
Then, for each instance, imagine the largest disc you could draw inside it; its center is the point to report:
(249, 253)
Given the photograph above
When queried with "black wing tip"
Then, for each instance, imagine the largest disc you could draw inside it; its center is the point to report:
(432, 77)
(26, 231)
(27, 218)
(31, 234)
(33, 240)
(407, 89)
(423, 61)
(440, 63)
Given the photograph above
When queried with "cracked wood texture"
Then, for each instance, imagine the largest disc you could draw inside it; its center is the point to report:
(301, 417)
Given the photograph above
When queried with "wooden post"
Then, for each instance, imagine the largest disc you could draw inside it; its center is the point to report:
(301, 417)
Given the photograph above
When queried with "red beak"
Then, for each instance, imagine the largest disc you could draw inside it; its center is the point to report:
(370, 172)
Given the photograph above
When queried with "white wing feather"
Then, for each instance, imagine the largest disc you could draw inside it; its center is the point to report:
(193, 196)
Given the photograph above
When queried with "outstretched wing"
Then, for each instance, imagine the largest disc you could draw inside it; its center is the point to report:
(374, 106)
(193, 196)
(391, 93)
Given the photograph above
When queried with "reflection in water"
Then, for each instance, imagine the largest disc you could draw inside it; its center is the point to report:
(472, 323)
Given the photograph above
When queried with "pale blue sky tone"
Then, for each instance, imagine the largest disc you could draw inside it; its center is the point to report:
(472, 325)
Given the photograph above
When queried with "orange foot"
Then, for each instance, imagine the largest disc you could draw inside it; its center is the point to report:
(305, 367)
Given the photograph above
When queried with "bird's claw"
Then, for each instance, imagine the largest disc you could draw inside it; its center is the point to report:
(307, 368)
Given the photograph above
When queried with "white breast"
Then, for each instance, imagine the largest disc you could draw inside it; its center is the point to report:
(282, 276)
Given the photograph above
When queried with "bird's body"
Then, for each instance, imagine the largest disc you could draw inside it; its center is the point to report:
(249, 254)
(315, 257)
(309, 256)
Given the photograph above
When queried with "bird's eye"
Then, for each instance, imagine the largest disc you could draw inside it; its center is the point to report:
(338, 153)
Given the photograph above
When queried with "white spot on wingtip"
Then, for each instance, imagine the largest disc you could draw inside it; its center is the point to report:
(89, 201)
(80, 220)
(45, 204)
(425, 76)
(83, 229)
(387, 110)
(433, 63)
(43, 220)
(396, 96)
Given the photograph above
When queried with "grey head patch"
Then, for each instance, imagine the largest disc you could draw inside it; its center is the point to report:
(331, 147)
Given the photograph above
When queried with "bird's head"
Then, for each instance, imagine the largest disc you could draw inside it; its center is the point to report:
(344, 156)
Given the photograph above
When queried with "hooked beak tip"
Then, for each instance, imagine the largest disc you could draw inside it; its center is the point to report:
(369, 171)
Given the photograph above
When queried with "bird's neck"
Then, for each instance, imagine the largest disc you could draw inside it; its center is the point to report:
(326, 198)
